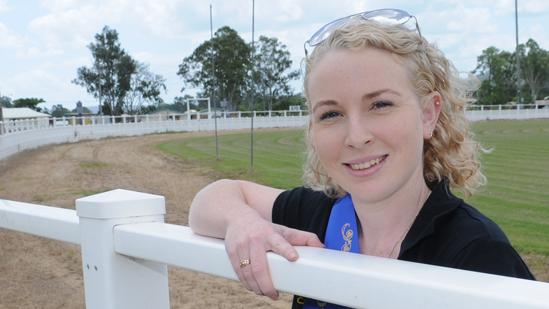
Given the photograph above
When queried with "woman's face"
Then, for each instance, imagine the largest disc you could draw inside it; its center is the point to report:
(367, 124)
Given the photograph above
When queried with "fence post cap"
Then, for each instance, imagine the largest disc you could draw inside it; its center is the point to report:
(120, 203)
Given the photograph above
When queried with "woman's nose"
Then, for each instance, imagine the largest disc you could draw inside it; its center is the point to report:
(358, 133)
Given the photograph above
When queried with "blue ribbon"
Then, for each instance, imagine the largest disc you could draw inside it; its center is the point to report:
(342, 235)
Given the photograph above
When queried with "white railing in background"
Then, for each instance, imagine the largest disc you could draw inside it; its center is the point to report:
(28, 134)
(494, 112)
(19, 135)
(186, 121)
(240, 120)
(126, 247)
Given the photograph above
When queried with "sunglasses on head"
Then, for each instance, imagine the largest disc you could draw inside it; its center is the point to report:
(384, 16)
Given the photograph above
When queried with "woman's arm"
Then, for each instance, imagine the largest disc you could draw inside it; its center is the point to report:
(217, 204)
(240, 212)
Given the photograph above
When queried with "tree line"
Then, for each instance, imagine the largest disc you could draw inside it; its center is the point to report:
(225, 68)
(503, 78)
(237, 75)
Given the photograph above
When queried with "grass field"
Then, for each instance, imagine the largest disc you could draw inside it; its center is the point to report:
(516, 197)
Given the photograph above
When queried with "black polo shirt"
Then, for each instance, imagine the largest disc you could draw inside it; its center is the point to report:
(446, 232)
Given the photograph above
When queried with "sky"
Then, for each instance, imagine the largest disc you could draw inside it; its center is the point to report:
(42, 43)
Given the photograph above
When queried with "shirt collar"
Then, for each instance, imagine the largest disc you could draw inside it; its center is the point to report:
(439, 203)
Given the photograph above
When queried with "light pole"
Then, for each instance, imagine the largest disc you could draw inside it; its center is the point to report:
(517, 53)
(214, 84)
(253, 96)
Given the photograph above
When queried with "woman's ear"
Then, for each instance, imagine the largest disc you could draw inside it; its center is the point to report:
(432, 106)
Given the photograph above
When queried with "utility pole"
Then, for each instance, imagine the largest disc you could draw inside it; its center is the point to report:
(214, 84)
(253, 95)
(519, 99)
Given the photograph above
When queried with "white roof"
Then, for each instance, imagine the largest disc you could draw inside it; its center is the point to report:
(20, 113)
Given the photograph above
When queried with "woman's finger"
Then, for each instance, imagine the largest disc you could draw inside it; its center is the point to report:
(234, 258)
(281, 246)
(260, 271)
(301, 238)
(247, 251)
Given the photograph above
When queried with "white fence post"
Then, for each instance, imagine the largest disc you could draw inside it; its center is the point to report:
(112, 280)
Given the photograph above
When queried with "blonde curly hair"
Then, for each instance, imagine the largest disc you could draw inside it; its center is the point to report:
(452, 152)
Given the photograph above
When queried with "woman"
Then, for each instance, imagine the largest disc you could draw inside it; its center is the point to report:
(387, 136)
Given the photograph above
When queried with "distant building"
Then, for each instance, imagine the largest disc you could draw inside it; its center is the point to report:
(167, 114)
(19, 113)
(10, 116)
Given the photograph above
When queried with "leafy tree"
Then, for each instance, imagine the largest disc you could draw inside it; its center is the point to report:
(28, 102)
(145, 89)
(58, 111)
(109, 78)
(181, 103)
(284, 102)
(535, 68)
(270, 72)
(5, 101)
(496, 70)
(85, 110)
(229, 57)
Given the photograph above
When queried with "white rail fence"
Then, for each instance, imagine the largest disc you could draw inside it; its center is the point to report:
(28, 134)
(126, 247)
(18, 135)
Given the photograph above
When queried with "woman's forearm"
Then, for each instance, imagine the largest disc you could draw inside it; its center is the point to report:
(215, 205)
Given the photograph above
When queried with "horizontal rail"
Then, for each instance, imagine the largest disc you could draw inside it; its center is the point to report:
(345, 278)
(50, 222)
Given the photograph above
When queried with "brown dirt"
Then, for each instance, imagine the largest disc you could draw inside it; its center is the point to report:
(39, 273)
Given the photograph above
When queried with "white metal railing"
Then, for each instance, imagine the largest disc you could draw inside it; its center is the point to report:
(126, 247)
(18, 125)
(26, 134)
(19, 135)
(192, 119)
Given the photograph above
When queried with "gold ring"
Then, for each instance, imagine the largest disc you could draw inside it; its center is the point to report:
(244, 263)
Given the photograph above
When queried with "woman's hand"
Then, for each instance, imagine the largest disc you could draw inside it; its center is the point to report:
(247, 240)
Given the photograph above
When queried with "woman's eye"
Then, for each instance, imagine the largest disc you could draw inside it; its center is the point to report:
(381, 104)
(329, 115)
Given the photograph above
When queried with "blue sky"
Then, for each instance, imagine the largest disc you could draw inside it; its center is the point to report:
(42, 43)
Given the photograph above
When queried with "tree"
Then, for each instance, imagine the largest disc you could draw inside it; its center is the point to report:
(535, 67)
(180, 103)
(59, 111)
(85, 110)
(284, 102)
(496, 70)
(28, 102)
(5, 101)
(270, 71)
(109, 78)
(228, 56)
(145, 89)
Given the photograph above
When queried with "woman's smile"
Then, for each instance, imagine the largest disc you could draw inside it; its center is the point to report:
(366, 166)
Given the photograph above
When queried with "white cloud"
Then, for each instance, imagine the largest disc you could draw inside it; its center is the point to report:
(534, 6)
(68, 29)
(35, 52)
(8, 38)
(35, 83)
(4, 6)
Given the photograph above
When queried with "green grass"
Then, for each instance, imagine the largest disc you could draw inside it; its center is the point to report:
(516, 197)
(278, 155)
(517, 194)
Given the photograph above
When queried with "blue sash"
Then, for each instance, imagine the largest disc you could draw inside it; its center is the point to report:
(341, 234)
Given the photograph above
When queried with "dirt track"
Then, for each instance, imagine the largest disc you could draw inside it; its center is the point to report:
(39, 273)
